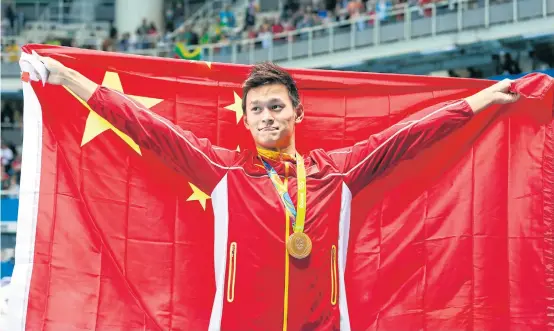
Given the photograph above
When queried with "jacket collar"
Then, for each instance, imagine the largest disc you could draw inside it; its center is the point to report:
(275, 155)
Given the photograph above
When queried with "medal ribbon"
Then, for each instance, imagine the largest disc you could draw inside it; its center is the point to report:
(298, 214)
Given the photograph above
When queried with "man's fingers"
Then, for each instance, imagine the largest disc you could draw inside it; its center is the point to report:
(510, 97)
(504, 85)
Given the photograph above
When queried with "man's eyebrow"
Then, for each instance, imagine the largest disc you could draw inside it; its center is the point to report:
(256, 102)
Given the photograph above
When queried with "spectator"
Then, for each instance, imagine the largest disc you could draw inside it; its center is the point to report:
(113, 31)
(13, 52)
(322, 12)
(510, 66)
(169, 19)
(215, 30)
(7, 112)
(289, 27)
(265, 34)
(134, 41)
(227, 17)
(108, 45)
(225, 48)
(382, 8)
(12, 189)
(276, 28)
(124, 43)
(152, 30)
(143, 28)
(354, 7)
(250, 17)
(7, 158)
(340, 13)
(425, 8)
(251, 33)
(11, 16)
(188, 35)
(205, 37)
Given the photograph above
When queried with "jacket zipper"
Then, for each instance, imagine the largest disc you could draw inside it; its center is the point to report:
(232, 272)
(334, 289)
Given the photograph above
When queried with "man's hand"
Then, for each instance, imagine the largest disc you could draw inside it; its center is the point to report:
(498, 93)
(57, 71)
(59, 74)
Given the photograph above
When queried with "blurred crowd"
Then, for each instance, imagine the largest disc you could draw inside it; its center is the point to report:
(11, 170)
(292, 15)
(11, 150)
(225, 26)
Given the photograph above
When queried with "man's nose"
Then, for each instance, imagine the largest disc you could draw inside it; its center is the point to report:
(266, 116)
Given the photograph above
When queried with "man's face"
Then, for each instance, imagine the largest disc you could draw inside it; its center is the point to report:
(270, 116)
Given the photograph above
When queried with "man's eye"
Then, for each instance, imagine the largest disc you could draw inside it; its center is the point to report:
(276, 107)
(256, 109)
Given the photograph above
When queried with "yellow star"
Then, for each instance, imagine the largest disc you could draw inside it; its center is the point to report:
(198, 195)
(238, 148)
(96, 125)
(236, 106)
(209, 64)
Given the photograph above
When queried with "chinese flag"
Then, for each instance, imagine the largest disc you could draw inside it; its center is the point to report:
(459, 238)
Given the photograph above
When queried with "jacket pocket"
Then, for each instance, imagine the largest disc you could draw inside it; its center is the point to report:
(334, 283)
(232, 272)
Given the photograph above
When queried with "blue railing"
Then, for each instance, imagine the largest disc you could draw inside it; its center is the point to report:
(9, 209)
(549, 72)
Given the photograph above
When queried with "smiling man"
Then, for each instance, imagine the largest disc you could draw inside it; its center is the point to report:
(279, 258)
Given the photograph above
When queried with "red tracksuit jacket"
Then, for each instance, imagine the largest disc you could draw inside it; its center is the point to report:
(258, 286)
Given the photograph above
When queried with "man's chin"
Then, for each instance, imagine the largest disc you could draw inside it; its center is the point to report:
(270, 141)
(268, 145)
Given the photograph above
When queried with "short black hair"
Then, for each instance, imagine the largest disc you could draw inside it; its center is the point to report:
(267, 73)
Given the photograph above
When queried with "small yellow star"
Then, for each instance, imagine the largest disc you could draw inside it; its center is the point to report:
(238, 148)
(96, 125)
(236, 106)
(198, 195)
(209, 64)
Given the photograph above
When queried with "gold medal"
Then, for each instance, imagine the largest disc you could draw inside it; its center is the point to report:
(299, 245)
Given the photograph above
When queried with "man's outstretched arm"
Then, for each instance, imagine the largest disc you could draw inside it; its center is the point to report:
(179, 149)
(367, 159)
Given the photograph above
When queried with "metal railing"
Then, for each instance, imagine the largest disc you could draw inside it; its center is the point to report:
(4, 194)
(11, 125)
(400, 24)
(209, 10)
(292, 36)
(77, 11)
(32, 9)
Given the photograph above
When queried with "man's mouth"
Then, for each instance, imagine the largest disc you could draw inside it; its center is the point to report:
(268, 128)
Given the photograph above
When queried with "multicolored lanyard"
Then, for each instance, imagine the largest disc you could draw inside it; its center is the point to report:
(298, 214)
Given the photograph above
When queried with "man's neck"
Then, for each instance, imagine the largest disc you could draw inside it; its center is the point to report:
(278, 152)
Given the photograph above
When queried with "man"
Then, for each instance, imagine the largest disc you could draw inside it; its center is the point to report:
(280, 252)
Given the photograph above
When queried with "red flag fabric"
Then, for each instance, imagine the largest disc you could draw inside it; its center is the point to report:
(459, 237)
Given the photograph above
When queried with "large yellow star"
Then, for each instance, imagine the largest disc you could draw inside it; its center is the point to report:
(236, 106)
(198, 195)
(96, 125)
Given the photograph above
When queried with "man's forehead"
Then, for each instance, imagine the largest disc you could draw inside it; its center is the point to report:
(266, 93)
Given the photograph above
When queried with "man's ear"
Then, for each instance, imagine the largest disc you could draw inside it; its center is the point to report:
(299, 116)
(245, 121)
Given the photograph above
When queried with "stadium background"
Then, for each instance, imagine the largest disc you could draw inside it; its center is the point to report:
(489, 39)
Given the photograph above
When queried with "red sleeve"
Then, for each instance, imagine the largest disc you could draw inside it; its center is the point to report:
(369, 158)
(179, 149)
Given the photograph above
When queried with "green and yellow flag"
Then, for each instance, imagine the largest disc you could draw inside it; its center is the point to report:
(184, 52)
